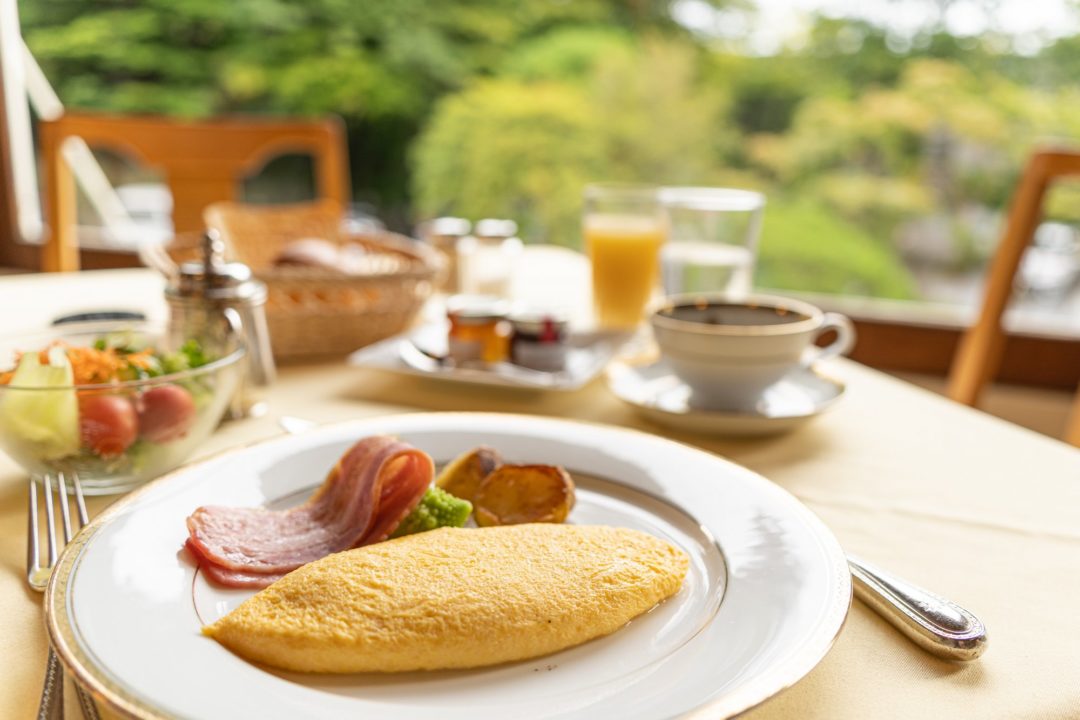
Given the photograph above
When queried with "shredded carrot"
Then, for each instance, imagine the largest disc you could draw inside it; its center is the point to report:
(91, 366)
(142, 359)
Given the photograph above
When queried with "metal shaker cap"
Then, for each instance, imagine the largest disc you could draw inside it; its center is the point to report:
(449, 227)
(213, 278)
(496, 228)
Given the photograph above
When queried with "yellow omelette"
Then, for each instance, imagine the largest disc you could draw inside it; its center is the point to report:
(454, 598)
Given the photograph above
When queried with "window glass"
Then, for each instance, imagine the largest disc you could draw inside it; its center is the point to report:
(887, 135)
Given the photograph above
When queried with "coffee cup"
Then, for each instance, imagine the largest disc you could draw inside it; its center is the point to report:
(729, 351)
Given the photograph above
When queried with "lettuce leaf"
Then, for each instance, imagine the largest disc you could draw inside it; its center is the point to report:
(39, 407)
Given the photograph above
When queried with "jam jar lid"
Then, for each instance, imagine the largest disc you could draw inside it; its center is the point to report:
(449, 227)
(476, 309)
(495, 228)
(538, 322)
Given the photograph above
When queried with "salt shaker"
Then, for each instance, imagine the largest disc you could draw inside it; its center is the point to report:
(220, 303)
(487, 260)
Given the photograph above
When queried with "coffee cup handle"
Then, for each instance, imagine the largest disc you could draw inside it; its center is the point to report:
(845, 339)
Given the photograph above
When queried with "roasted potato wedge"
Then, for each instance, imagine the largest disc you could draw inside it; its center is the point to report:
(462, 477)
(515, 494)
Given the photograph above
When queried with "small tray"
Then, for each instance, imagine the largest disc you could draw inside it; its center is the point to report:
(418, 353)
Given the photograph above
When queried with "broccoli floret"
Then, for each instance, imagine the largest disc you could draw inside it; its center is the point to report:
(437, 509)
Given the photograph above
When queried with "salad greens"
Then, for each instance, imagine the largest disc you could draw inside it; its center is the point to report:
(190, 355)
(151, 364)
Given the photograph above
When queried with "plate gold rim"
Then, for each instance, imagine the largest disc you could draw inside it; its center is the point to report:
(118, 700)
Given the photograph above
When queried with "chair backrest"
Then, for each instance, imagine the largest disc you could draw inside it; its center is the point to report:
(203, 162)
(979, 354)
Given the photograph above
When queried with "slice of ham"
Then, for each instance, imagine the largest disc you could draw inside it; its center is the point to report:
(232, 578)
(373, 487)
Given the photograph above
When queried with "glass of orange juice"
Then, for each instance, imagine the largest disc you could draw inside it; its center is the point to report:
(624, 228)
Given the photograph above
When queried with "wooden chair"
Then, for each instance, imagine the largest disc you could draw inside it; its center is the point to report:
(979, 354)
(203, 163)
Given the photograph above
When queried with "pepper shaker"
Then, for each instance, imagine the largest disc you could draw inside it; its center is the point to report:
(220, 303)
(444, 234)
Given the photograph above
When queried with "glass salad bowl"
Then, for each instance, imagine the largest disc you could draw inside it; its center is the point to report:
(111, 401)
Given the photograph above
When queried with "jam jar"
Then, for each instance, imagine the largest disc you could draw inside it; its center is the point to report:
(539, 340)
(478, 328)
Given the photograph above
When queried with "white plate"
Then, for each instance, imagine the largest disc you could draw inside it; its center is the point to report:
(767, 591)
(412, 354)
(654, 390)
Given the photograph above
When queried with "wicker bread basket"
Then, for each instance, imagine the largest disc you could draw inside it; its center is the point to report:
(313, 311)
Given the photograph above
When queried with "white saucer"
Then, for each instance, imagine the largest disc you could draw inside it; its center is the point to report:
(655, 391)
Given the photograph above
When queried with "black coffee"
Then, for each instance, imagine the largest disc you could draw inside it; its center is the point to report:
(713, 313)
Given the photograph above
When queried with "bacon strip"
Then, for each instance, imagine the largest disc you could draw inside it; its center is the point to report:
(373, 487)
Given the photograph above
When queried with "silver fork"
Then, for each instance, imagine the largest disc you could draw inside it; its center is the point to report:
(37, 576)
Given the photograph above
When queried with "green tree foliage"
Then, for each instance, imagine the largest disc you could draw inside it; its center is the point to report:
(507, 149)
(801, 239)
(571, 54)
(861, 138)
(942, 140)
(526, 148)
(765, 95)
(381, 64)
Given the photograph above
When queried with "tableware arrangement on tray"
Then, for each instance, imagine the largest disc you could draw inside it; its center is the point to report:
(425, 352)
(488, 340)
(765, 594)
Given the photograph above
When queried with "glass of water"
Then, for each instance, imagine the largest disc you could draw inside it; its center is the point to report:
(712, 239)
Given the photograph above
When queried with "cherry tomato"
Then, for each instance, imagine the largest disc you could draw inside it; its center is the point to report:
(165, 413)
(107, 424)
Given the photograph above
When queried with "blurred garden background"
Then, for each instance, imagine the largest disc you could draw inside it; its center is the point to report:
(887, 147)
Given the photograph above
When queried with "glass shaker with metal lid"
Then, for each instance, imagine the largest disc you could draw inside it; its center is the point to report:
(221, 304)
(489, 257)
